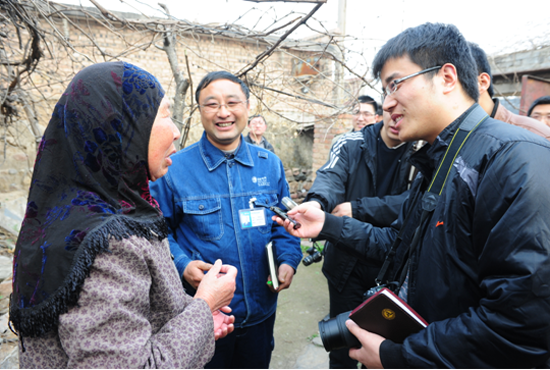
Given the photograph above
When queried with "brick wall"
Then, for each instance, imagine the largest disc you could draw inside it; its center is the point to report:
(205, 54)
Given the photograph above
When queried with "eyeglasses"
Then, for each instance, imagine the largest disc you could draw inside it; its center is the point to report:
(364, 114)
(231, 106)
(540, 117)
(392, 86)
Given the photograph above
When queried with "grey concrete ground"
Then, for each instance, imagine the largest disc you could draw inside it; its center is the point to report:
(297, 345)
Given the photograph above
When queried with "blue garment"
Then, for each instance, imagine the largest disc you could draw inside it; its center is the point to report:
(201, 196)
(245, 348)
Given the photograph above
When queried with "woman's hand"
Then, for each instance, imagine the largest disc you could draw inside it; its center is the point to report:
(218, 286)
(223, 324)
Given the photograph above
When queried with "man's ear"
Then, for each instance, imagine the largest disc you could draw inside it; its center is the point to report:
(450, 77)
(483, 82)
(377, 118)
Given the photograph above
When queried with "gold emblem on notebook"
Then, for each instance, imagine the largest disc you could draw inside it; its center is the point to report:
(388, 314)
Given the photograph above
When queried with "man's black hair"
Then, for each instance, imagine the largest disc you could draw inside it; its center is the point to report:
(430, 45)
(256, 116)
(540, 101)
(365, 99)
(220, 75)
(482, 64)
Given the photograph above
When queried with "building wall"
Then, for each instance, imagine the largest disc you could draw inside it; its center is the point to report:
(205, 54)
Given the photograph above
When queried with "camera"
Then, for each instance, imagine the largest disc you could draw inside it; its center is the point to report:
(335, 334)
(315, 255)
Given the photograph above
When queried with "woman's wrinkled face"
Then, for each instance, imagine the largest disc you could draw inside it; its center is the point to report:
(161, 142)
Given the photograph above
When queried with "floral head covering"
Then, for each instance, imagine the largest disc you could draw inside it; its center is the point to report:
(90, 184)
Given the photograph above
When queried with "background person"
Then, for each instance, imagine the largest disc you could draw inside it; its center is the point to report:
(201, 197)
(478, 274)
(540, 110)
(364, 114)
(492, 105)
(257, 126)
(94, 284)
(366, 177)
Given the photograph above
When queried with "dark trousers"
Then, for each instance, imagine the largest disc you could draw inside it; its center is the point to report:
(245, 348)
(360, 280)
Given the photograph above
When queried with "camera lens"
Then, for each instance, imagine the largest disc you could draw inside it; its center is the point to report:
(335, 334)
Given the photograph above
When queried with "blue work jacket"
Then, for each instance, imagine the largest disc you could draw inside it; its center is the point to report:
(201, 196)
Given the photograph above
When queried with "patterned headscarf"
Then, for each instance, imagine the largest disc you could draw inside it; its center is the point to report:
(90, 184)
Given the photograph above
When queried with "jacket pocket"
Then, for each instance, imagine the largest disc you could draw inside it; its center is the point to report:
(204, 217)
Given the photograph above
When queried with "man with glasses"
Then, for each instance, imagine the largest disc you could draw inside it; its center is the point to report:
(470, 251)
(366, 177)
(257, 126)
(364, 114)
(209, 199)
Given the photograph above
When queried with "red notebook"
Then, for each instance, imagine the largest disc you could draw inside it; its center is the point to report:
(389, 316)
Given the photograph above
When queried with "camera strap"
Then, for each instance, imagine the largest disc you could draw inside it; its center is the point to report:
(430, 197)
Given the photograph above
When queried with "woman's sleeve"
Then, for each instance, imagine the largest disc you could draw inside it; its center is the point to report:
(123, 320)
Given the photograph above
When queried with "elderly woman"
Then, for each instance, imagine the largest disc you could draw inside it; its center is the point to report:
(94, 285)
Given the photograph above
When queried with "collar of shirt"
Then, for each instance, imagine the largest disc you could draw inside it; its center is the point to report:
(213, 156)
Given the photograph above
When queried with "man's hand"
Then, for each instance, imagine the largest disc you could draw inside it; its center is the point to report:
(285, 275)
(313, 204)
(218, 286)
(223, 324)
(307, 214)
(369, 353)
(194, 272)
(343, 209)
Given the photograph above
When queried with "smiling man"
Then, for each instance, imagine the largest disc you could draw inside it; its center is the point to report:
(204, 196)
(472, 255)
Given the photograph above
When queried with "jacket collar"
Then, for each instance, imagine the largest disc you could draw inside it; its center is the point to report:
(427, 158)
(252, 141)
(213, 157)
(495, 108)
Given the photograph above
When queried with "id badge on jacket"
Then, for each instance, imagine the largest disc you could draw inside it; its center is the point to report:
(252, 217)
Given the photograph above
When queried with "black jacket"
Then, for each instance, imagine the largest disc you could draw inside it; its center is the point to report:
(350, 176)
(263, 144)
(480, 275)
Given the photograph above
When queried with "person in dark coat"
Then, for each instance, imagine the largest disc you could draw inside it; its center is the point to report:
(257, 126)
(473, 255)
(365, 177)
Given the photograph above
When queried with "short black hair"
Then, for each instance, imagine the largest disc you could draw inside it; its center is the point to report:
(365, 99)
(220, 75)
(256, 116)
(540, 101)
(430, 45)
(482, 64)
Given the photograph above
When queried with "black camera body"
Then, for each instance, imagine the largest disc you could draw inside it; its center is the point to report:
(314, 256)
